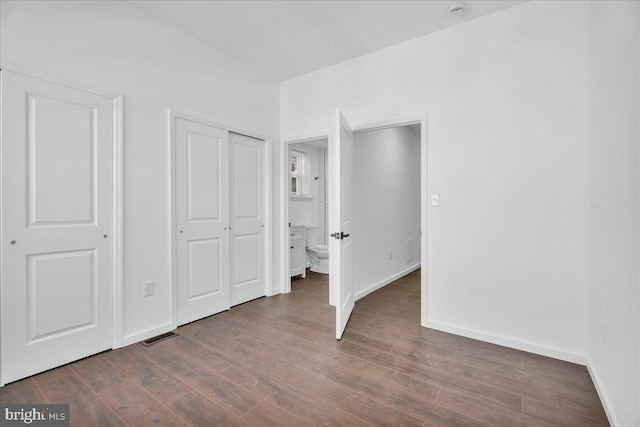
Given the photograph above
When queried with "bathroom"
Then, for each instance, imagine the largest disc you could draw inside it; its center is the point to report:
(308, 207)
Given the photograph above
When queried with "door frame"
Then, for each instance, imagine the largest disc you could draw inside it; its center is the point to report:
(173, 115)
(422, 119)
(117, 228)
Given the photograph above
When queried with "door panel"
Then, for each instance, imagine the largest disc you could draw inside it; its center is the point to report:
(247, 249)
(60, 150)
(66, 276)
(204, 268)
(341, 245)
(203, 182)
(202, 241)
(247, 179)
(247, 218)
(57, 225)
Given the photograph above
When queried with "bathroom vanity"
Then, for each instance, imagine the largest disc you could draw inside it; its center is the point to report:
(297, 256)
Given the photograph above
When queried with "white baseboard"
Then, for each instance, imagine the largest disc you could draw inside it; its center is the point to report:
(602, 394)
(528, 346)
(274, 291)
(363, 293)
(146, 334)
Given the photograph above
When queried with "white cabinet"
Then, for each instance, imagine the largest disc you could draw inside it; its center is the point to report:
(297, 251)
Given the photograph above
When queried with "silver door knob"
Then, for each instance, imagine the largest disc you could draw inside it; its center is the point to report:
(13, 242)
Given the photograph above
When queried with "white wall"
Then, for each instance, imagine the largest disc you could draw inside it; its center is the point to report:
(310, 212)
(386, 206)
(115, 46)
(507, 99)
(614, 207)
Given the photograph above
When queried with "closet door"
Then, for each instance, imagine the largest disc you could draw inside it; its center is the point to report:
(247, 218)
(57, 225)
(202, 201)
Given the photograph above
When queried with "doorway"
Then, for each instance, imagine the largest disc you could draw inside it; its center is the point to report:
(308, 207)
(409, 252)
(386, 206)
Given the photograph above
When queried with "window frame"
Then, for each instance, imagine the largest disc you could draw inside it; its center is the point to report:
(298, 175)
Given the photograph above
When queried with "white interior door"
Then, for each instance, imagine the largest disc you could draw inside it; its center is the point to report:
(57, 225)
(341, 244)
(202, 200)
(247, 218)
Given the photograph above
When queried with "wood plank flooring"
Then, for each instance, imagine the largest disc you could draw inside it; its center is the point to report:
(275, 362)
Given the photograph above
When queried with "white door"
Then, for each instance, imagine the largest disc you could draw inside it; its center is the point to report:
(341, 244)
(57, 225)
(247, 219)
(202, 200)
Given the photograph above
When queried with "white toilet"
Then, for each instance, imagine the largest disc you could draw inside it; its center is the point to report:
(319, 258)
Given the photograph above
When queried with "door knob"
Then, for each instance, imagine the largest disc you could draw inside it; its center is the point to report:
(339, 236)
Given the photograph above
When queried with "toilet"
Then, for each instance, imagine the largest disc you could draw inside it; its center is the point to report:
(319, 258)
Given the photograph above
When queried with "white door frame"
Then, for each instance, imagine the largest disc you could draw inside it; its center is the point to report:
(173, 115)
(422, 119)
(117, 230)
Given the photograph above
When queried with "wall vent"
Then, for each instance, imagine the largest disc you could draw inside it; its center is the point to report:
(411, 244)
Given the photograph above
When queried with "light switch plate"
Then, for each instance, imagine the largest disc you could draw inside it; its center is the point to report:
(435, 200)
(147, 288)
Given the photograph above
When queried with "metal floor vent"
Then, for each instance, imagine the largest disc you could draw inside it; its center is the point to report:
(162, 337)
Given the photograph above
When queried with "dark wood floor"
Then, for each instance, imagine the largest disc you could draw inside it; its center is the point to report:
(275, 362)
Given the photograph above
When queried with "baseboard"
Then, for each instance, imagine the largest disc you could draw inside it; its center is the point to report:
(363, 293)
(146, 334)
(274, 291)
(528, 346)
(602, 394)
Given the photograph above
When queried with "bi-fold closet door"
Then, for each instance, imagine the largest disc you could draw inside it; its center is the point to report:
(219, 215)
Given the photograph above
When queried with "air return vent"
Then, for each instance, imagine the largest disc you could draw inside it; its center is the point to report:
(155, 340)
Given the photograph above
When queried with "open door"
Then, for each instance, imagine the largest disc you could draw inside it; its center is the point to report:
(342, 243)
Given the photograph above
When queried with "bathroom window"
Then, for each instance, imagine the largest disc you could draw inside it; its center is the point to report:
(297, 163)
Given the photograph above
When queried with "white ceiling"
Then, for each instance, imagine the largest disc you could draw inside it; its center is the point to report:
(289, 38)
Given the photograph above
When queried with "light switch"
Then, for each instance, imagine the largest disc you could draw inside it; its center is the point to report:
(434, 200)
(147, 288)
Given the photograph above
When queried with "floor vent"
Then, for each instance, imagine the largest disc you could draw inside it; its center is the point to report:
(162, 337)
